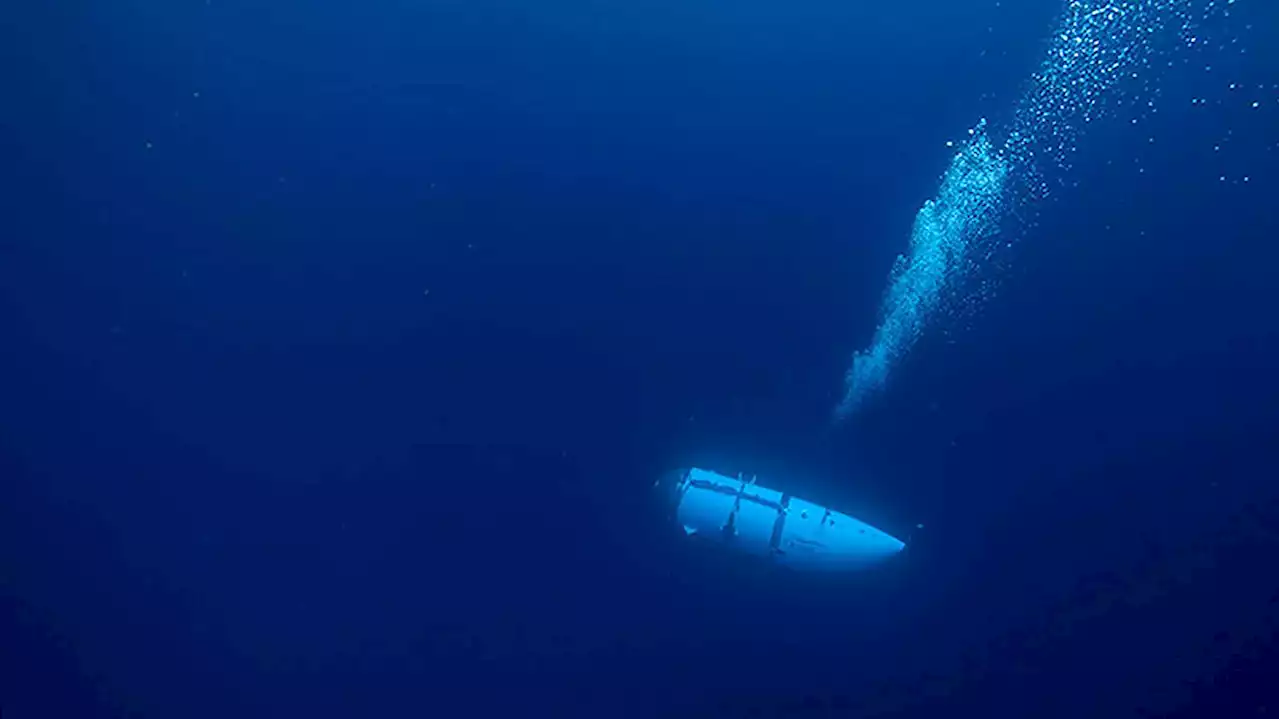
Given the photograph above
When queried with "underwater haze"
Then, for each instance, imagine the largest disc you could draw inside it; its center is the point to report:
(344, 343)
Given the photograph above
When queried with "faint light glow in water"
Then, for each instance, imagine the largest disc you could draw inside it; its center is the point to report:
(958, 233)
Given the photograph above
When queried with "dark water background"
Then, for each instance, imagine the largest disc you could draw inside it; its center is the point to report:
(342, 342)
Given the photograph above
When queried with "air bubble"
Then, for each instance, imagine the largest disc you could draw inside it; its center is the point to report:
(1098, 43)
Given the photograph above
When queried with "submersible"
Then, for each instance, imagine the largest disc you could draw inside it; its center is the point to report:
(776, 526)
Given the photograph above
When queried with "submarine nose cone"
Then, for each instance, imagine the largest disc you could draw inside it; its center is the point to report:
(882, 543)
(817, 538)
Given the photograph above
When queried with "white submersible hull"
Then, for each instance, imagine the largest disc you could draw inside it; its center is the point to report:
(774, 525)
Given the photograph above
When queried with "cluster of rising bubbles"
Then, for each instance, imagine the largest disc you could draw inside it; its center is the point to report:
(968, 208)
(1097, 44)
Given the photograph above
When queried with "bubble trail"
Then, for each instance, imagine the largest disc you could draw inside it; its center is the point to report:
(956, 234)
(966, 209)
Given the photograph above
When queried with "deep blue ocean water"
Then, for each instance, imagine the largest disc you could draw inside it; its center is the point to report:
(344, 341)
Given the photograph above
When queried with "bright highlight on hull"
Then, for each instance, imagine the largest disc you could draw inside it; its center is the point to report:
(743, 516)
